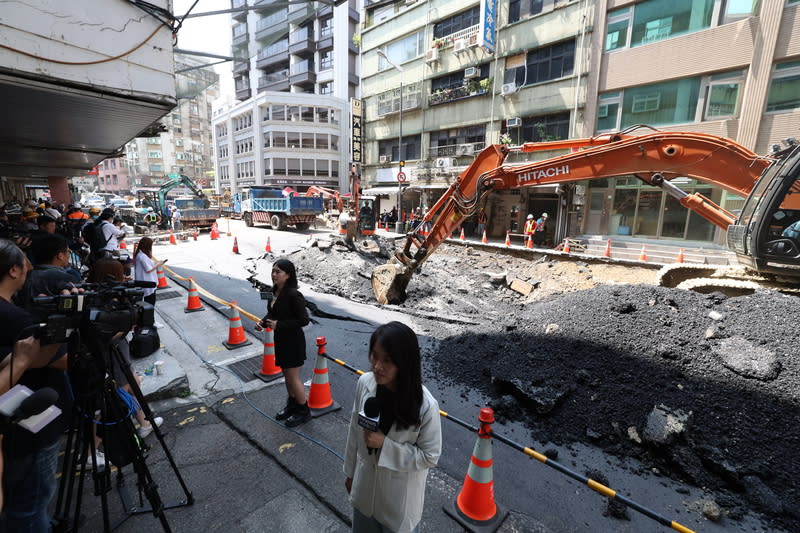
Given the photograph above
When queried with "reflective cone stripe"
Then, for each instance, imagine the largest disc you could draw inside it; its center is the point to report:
(462, 234)
(268, 366)
(236, 335)
(484, 239)
(268, 247)
(172, 238)
(508, 238)
(529, 243)
(235, 246)
(193, 304)
(162, 279)
(319, 397)
(476, 499)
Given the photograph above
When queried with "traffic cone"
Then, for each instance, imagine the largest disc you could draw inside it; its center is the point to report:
(508, 238)
(269, 370)
(566, 246)
(319, 397)
(172, 238)
(607, 253)
(235, 246)
(193, 304)
(680, 258)
(462, 234)
(162, 279)
(529, 243)
(236, 336)
(122, 245)
(474, 507)
(214, 232)
(194, 234)
(484, 239)
(268, 247)
(643, 253)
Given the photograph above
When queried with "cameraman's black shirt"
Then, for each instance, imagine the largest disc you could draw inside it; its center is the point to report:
(20, 441)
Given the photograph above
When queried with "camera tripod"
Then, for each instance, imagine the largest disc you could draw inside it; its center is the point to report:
(99, 410)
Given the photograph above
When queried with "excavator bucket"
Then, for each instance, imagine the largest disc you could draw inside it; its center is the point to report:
(389, 282)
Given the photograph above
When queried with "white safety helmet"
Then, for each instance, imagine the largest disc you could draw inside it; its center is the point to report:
(544, 215)
(149, 209)
(530, 217)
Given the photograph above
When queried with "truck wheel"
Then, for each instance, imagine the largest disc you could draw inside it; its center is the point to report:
(302, 226)
(248, 219)
(276, 221)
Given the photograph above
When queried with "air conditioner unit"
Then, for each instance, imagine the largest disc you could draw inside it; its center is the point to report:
(471, 72)
(513, 122)
(443, 162)
(466, 149)
(508, 89)
(460, 46)
(385, 159)
(432, 55)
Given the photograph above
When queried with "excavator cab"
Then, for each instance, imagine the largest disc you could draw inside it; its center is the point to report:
(765, 236)
(366, 215)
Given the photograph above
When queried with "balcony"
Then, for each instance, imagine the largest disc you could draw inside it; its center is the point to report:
(243, 91)
(239, 34)
(239, 15)
(276, 81)
(456, 150)
(302, 73)
(301, 42)
(389, 101)
(468, 35)
(269, 25)
(241, 66)
(325, 38)
(445, 96)
(299, 13)
(273, 54)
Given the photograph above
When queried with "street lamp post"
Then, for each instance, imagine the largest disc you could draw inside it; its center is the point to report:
(400, 136)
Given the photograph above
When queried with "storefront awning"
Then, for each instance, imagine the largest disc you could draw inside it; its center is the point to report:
(380, 191)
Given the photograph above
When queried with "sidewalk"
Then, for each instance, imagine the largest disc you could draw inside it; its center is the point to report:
(247, 472)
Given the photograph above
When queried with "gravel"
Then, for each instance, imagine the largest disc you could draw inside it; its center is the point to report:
(703, 388)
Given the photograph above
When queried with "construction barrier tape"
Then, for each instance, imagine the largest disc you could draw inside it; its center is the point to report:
(594, 485)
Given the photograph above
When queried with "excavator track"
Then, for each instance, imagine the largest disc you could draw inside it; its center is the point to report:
(735, 287)
(676, 273)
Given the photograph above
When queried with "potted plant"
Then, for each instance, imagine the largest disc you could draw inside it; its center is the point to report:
(473, 86)
(505, 138)
(437, 43)
(357, 40)
(486, 83)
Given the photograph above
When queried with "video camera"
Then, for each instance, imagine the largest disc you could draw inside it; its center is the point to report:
(104, 309)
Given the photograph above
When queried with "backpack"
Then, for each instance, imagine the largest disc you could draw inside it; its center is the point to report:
(93, 236)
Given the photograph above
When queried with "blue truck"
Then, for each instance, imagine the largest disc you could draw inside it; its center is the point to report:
(269, 205)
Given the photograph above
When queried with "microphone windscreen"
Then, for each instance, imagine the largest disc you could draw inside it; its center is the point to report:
(36, 402)
(372, 407)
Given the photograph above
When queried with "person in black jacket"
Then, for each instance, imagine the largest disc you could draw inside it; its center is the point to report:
(286, 317)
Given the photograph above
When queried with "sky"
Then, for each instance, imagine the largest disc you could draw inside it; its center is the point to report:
(210, 34)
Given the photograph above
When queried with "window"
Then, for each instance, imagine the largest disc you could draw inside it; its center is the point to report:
(545, 127)
(322, 142)
(411, 147)
(154, 154)
(784, 90)
(293, 139)
(113, 164)
(293, 166)
(520, 9)
(655, 20)
(114, 179)
(326, 60)
(322, 167)
(659, 104)
(278, 112)
(307, 114)
(722, 95)
(155, 168)
(449, 81)
(643, 103)
(458, 22)
(403, 50)
(279, 139)
(543, 64)
(307, 141)
(307, 168)
(322, 115)
(279, 164)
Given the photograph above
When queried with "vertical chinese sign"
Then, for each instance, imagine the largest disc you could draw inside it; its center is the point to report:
(488, 24)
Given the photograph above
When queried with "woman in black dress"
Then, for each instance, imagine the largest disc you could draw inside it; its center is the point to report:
(286, 317)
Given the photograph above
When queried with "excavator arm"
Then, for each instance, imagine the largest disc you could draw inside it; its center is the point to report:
(655, 158)
(326, 193)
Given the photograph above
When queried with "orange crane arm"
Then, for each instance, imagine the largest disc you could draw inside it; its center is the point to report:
(655, 158)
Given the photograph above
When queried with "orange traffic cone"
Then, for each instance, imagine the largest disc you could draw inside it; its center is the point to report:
(162, 279)
(269, 370)
(172, 238)
(567, 249)
(462, 234)
(268, 247)
(529, 242)
(680, 258)
(484, 239)
(214, 232)
(607, 252)
(235, 246)
(194, 234)
(319, 397)
(193, 304)
(122, 245)
(508, 238)
(474, 507)
(236, 336)
(643, 253)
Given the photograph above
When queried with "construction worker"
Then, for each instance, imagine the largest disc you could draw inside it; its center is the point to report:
(151, 219)
(530, 225)
(539, 231)
(482, 220)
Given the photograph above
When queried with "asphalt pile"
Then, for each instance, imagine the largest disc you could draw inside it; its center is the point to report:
(701, 388)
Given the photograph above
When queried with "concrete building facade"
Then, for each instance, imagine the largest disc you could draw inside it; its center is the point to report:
(297, 70)
(570, 69)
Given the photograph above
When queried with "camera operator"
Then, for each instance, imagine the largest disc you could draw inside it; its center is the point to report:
(50, 274)
(29, 479)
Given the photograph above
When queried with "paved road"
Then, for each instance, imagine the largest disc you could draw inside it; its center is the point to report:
(248, 473)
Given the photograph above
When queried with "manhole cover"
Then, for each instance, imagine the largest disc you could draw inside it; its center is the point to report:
(247, 369)
(167, 295)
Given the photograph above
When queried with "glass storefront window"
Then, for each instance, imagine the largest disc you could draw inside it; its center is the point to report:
(647, 213)
(671, 102)
(674, 224)
(623, 212)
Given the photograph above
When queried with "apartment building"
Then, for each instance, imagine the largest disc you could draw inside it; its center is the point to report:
(185, 145)
(568, 69)
(297, 70)
(113, 176)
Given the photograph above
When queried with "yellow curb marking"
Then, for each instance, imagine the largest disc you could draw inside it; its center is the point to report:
(192, 410)
(283, 447)
(214, 348)
(227, 400)
(186, 421)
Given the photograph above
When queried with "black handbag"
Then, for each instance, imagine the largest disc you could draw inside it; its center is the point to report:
(145, 341)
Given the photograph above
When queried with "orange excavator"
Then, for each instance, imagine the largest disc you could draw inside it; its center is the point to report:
(771, 186)
(327, 194)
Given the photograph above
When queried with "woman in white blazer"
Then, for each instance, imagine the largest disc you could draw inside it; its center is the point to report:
(387, 469)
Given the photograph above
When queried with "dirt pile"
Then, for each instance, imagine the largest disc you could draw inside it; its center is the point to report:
(704, 388)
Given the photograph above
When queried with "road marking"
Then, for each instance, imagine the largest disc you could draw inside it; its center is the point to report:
(283, 447)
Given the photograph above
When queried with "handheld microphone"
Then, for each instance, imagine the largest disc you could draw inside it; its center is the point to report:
(370, 417)
(30, 410)
(36, 403)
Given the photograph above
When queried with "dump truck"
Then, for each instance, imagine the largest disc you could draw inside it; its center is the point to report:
(277, 208)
